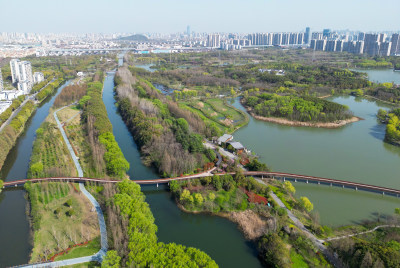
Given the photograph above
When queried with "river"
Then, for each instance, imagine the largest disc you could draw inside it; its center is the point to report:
(217, 236)
(355, 152)
(15, 244)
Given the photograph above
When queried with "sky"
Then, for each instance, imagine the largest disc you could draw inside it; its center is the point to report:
(170, 16)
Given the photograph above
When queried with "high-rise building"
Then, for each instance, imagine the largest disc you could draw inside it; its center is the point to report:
(277, 39)
(317, 36)
(385, 48)
(214, 40)
(395, 44)
(1, 82)
(307, 36)
(326, 33)
(21, 72)
(188, 30)
(361, 36)
(331, 45)
(14, 66)
(320, 45)
(372, 44)
(339, 45)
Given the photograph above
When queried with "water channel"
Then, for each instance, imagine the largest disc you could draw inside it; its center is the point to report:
(15, 244)
(217, 236)
(355, 152)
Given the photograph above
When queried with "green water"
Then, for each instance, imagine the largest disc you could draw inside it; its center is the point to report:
(355, 152)
(15, 236)
(216, 236)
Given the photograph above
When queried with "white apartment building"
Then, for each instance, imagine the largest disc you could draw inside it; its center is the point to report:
(14, 65)
(1, 82)
(38, 77)
(21, 72)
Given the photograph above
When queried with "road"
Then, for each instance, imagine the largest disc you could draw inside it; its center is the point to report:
(16, 111)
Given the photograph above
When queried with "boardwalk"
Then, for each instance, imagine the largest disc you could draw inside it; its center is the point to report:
(276, 175)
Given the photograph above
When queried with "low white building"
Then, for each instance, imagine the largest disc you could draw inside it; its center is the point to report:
(9, 95)
(25, 87)
(224, 139)
(4, 105)
(38, 77)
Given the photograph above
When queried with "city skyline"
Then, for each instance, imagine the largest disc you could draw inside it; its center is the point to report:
(104, 16)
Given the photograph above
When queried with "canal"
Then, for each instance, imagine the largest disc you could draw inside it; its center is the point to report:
(355, 152)
(217, 236)
(15, 244)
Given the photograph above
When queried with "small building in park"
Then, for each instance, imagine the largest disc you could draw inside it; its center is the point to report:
(237, 146)
(224, 139)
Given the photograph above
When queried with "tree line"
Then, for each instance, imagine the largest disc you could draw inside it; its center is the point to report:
(133, 234)
(169, 138)
(295, 108)
(102, 142)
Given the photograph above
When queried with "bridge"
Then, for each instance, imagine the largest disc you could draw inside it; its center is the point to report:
(208, 173)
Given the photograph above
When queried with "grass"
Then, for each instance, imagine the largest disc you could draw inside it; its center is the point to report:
(57, 231)
(297, 260)
(217, 111)
(87, 250)
(84, 265)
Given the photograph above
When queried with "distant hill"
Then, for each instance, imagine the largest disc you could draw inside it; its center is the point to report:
(135, 37)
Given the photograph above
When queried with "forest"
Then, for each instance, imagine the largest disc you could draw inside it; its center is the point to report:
(102, 142)
(134, 237)
(295, 108)
(170, 138)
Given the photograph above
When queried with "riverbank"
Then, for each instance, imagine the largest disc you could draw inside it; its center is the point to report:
(286, 122)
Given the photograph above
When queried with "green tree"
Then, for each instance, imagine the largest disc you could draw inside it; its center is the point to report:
(198, 198)
(289, 186)
(397, 211)
(36, 168)
(306, 203)
(185, 195)
(111, 260)
(1, 185)
(211, 196)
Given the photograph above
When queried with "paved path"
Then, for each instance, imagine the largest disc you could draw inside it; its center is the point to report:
(360, 233)
(103, 229)
(317, 242)
(100, 216)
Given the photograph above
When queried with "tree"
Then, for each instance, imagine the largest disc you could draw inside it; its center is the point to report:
(289, 186)
(306, 204)
(397, 211)
(211, 196)
(198, 198)
(185, 195)
(37, 168)
(111, 260)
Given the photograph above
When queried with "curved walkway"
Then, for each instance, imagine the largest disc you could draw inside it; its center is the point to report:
(103, 229)
(360, 233)
(317, 242)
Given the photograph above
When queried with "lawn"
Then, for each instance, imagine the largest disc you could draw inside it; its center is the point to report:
(55, 229)
(87, 250)
(297, 260)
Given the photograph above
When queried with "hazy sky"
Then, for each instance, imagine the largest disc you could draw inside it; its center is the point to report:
(202, 15)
